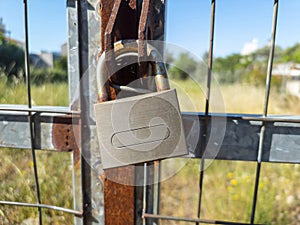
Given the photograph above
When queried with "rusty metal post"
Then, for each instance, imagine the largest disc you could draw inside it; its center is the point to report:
(122, 20)
(119, 201)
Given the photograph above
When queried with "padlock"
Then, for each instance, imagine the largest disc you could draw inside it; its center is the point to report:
(141, 128)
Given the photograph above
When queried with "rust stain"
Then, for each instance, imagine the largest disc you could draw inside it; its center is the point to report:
(125, 23)
(66, 135)
(105, 11)
(119, 198)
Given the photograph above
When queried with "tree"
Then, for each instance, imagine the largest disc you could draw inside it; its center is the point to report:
(183, 67)
(57, 74)
(61, 63)
(292, 54)
(168, 59)
(2, 38)
(11, 58)
(227, 69)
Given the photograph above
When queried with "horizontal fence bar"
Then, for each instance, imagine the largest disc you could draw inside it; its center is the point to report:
(240, 142)
(237, 137)
(192, 220)
(247, 117)
(52, 132)
(24, 204)
(38, 109)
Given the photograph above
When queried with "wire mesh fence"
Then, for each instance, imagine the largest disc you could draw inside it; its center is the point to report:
(267, 134)
(264, 128)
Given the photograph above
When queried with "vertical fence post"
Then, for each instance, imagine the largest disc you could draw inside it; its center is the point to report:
(123, 203)
(89, 38)
(85, 112)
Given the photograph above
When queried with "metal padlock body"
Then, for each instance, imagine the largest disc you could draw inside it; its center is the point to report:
(140, 129)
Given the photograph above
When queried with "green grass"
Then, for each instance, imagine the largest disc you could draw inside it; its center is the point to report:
(54, 169)
(45, 94)
(228, 185)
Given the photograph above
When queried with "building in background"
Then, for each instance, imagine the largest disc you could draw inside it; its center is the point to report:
(290, 73)
(44, 59)
(64, 49)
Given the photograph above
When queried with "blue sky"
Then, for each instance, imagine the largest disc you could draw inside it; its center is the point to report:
(47, 22)
(241, 25)
(237, 23)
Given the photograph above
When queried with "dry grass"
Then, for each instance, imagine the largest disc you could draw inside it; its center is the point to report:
(234, 98)
(228, 192)
(17, 184)
(229, 185)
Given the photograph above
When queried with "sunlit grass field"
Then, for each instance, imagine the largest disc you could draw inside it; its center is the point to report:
(228, 186)
(46, 94)
(233, 98)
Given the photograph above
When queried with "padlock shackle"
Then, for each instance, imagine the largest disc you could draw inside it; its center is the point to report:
(125, 49)
(130, 89)
(102, 80)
